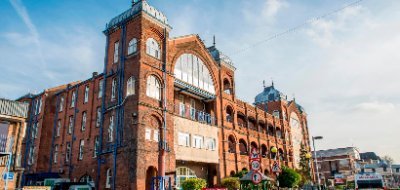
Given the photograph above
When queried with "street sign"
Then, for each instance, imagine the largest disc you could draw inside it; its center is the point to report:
(254, 154)
(8, 176)
(275, 167)
(255, 165)
(256, 177)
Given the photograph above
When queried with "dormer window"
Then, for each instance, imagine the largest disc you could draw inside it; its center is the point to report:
(153, 48)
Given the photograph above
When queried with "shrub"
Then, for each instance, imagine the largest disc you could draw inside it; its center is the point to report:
(241, 174)
(194, 184)
(289, 178)
(232, 183)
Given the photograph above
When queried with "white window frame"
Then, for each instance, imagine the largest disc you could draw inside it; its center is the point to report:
(67, 151)
(86, 99)
(147, 134)
(96, 146)
(61, 104)
(100, 93)
(98, 116)
(116, 51)
(84, 121)
(210, 143)
(156, 135)
(184, 139)
(132, 46)
(73, 99)
(198, 141)
(130, 86)
(153, 89)
(153, 48)
(58, 131)
(81, 147)
(70, 124)
(113, 88)
(111, 129)
(55, 153)
(39, 108)
(108, 178)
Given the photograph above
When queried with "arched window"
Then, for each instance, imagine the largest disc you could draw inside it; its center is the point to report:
(264, 150)
(281, 154)
(87, 179)
(271, 131)
(254, 145)
(153, 48)
(153, 87)
(242, 147)
(229, 114)
(278, 133)
(132, 46)
(227, 86)
(252, 124)
(109, 178)
(191, 69)
(232, 144)
(130, 86)
(183, 173)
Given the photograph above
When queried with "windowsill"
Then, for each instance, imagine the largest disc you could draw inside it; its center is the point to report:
(158, 59)
(132, 54)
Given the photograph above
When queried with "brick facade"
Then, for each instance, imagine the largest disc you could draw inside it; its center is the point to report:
(134, 158)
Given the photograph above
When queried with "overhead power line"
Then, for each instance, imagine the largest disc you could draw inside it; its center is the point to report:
(295, 28)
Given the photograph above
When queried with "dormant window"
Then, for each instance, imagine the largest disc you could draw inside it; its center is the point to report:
(86, 94)
(132, 46)
(183, 139)
(152, 48)
(81, 146)
(113, 88)
(73, 99)
(111, 129)
(61, 104)
(100, 93)
(153, 87)
(55, 153)
(83, 127)
(116, 50)
(130, 86)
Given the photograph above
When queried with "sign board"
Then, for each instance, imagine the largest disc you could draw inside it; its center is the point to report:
(254, 155)
(255, 165)
(256, 177)
(36, 188)
(368, 176)
(275, 167)
(8, 176)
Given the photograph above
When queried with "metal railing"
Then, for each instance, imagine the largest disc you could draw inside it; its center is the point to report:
(191, 113)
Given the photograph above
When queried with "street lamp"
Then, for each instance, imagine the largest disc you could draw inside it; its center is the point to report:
(275, 151)
(315, 158)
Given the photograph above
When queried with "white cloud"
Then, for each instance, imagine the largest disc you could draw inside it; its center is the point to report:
(375, 107)
(272, 7)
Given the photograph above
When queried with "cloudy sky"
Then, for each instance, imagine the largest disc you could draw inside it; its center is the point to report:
(342, 65)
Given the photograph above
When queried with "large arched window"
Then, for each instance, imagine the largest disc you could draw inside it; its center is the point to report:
(232, 144)
(153, 48)
(242, 147)
(183, 173)
(130, 86)
(153, 87)
(191, 69)
(132, 46)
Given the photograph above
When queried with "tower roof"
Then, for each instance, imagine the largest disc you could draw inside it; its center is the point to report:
(137, 7)
(269, 94)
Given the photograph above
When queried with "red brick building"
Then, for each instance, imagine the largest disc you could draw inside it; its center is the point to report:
(108, 129)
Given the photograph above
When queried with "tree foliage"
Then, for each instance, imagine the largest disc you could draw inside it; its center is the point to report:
(241, 173)
(289, 178)
(389, 160)
(304, 164)
(194, 184)
(232, 183)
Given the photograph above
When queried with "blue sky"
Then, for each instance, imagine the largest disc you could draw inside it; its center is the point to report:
(343, 68)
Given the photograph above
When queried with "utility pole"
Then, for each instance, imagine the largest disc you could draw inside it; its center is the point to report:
(316, 159)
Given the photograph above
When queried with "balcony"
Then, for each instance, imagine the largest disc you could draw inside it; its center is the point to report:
(193, 114)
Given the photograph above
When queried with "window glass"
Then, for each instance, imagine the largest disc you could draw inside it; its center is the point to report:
(61, 104)
(98, 116)
(183, 139)
(111, 129)
(100, 93)
(153, 48)
(183, 173)
(156, 136)
(148, 134)
(197, 141)
(81, 144)
(153, 87)
(86, 99)
(116, 48)
(130, 86)
(132, 47)
(73, 99)
(83, 127)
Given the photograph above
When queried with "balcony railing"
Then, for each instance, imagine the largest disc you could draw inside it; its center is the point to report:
(191, 113)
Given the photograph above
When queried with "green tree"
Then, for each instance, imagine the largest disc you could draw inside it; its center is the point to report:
(289, 178)
(232, 183)
(241, 173)
(194, 184)
(304, 164)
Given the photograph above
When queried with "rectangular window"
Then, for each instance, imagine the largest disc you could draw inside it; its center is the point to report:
(86, 99)
(70, 124)
(98, 117)
(39, 105)
(197, 141)
(116, 48)
(61, 104)
(58, 132)
(183, 139)
(83, 127)
(113, 88)
(148, 134)
(55, 153)
(31, 155)
(81, 145)
(100, 93)
(111, 129)
(96, 146)
(68, 152)
(156, 135)
(397, 170)
(73, 99)
(210, 144)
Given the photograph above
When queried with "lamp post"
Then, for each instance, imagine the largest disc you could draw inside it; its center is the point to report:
(315, 158)
(275, 151)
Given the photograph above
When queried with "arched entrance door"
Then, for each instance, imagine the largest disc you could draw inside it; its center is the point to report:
(150, 173)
